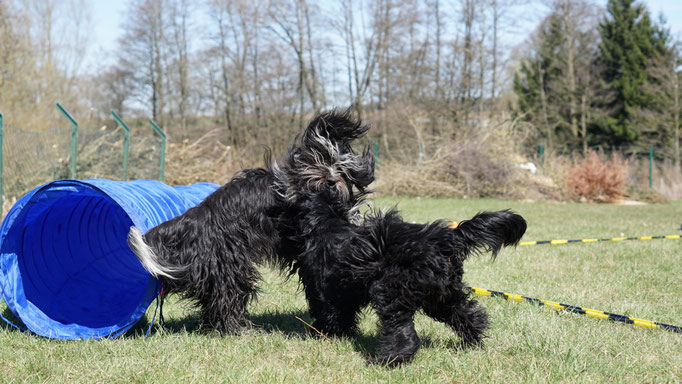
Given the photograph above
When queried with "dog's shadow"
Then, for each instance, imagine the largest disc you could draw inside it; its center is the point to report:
(297, 324)
(294, 324)
(290, 324)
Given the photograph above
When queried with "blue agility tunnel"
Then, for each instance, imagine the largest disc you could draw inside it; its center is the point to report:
(65, 267)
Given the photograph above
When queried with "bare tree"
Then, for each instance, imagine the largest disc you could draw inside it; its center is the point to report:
(17, 63)
(220, 12)
(179, 16)
(144, 52)
(676, 106)
(502, 21)
(114, 89)
(439, 27)
(367, 50)
(291, 24)
(468, 12)
(42, 47)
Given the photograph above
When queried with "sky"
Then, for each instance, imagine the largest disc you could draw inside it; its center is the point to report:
(108, 16)
(671, 10)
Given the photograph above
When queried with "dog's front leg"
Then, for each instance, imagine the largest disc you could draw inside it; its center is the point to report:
(333, 316)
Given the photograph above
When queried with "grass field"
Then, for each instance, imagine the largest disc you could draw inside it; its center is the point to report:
(526, 343)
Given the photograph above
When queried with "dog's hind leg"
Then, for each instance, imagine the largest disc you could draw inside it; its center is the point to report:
(224, 297)
(398, 340)
(464, 315)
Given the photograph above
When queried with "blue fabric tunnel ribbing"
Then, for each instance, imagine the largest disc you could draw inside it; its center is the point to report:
(65, 267)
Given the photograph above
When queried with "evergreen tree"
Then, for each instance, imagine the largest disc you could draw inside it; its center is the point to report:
(630, 43)
(554, 85)
(665, 119)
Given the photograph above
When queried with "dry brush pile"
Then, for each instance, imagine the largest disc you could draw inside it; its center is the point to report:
(475, 163)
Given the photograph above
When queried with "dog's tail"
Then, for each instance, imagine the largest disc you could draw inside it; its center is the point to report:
(491, 231)
(148, 257)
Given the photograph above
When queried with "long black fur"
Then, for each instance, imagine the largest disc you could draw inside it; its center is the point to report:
(210, 253)
(396, 267)
(302, 212)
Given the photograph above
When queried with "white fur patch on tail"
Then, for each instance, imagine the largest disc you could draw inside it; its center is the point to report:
(147, 256)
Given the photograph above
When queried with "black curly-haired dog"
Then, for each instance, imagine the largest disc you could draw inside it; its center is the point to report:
(210, 253)
(396, 267)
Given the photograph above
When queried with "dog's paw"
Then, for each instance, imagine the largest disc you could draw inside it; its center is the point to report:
(390, 361)
(327, 330)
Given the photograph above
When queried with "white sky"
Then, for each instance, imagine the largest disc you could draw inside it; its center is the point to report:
(108, 16)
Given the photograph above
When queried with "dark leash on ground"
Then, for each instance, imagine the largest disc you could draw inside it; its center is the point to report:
(578, 310)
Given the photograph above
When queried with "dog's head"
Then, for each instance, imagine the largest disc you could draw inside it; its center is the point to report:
(322, 159)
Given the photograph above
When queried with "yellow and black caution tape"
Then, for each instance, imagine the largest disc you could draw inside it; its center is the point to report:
(557, 242)
(579, 310)
(454, 224)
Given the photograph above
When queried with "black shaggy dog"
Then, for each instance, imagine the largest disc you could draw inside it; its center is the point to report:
(301, 212)
(396, 267)
(209, 254)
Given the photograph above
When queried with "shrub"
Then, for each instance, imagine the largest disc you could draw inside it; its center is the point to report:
(596, 178)
(476, 165)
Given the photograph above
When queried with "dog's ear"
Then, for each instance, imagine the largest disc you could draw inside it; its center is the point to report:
(361, 172)
(323, 158)
(335, 127)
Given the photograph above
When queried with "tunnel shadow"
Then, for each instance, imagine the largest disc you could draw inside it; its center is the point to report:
(7, 314)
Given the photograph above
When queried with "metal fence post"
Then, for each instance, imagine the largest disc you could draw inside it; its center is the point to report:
(126, 142)
(2, 179)
(74, 138)
(163, 147)
(376, 155)
(651, 166)
(541, 154)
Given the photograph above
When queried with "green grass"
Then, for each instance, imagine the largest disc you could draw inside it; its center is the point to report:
(526, 343)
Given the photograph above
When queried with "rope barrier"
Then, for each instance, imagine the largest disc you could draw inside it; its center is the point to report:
(454, 224)
(557, 242)
(578, 310)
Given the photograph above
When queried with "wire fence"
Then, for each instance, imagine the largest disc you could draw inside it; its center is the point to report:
(647, 160)
(100, 154)
(32, 158)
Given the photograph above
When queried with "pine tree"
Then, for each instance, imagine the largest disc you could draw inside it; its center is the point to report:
(630, 42)
(554, 83)
(664, 121)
